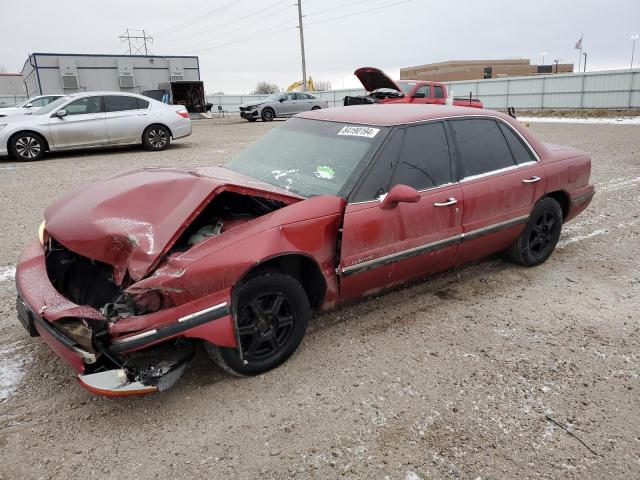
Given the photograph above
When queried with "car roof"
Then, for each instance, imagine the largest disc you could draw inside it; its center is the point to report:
(388, 115)
(84, 94)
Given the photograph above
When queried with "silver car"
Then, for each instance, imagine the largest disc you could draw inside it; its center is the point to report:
(29, 106)
(93, 120)
(280, 105)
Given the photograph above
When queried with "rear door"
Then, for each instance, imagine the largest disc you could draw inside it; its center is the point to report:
(501, 180)
(439, 95)
(381, 248)
(126, 118)
(83, 125)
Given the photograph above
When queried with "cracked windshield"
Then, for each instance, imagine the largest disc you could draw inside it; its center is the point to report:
(310, 157)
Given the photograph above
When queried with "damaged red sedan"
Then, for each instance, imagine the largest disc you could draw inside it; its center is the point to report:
(132, 272)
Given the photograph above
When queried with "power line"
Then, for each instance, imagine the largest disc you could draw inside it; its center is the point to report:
(359, 12)
(224, 25)
(199, 18)
(239, 28)
(336, 8)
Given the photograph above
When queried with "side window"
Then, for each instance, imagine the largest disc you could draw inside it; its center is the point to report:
(39, 102)
(289, 96)
(84, 105)
(520, 151)
(423, 92)
(48, 100)
(424, 160)
(142, 104)
(482, 146)
(376, 179)
(119, 103)
(438, 91)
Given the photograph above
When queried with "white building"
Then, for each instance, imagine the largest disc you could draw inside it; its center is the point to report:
(46, 73)
(11, 89)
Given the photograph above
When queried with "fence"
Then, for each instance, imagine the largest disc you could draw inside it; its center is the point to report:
(614, 89)
(11, 100)
(232, 102)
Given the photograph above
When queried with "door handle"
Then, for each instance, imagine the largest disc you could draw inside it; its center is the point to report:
(450, 201)
(533, 179)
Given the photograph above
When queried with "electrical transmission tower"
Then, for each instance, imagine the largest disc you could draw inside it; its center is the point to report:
(137, 41)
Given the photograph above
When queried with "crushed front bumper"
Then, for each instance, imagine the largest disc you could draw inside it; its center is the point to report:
(249, 114)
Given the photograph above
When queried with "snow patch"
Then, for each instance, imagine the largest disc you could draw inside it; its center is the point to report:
(12, 364)
(7, 273)
(597, 121)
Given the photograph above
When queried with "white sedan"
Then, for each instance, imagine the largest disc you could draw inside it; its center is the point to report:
(29, 106)
(93, 120)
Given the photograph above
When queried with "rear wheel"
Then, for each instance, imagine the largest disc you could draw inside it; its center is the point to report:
(273, 312)
(540, 237)
(316, 107)
(156, 137)
(268, 114)
(27, 147)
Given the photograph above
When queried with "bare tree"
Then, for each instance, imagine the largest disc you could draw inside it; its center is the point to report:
(322, 85)
(266, 88)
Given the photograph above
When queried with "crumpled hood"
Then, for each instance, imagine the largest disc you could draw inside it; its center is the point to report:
(132, 219)
(257, 103)
(374, 78)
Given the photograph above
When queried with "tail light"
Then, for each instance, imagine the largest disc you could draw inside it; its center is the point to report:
(183, 113)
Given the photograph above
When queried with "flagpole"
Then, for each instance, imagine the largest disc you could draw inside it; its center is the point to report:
(580, 55)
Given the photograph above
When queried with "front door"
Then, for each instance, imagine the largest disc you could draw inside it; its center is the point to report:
(501, 180)
(83, 125)
(385, 247)
(125, 118)
(287, 105)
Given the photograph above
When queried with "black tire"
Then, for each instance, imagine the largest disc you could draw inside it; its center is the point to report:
(539, 238)
(315, 107)
(27, 147)
(156, 137)
(268, 114)
(273, 312)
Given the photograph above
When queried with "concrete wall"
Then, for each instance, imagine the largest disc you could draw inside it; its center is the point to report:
(43, 71)
(613, 89)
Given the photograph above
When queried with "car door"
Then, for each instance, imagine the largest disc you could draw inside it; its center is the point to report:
(439, 96)
(126, 118)
(384, 247)
(287, 104)
(422, 95)
(303, 101)
(499, 192)
(83, 125)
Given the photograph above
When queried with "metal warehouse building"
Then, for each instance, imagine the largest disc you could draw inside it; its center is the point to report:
(46, 73)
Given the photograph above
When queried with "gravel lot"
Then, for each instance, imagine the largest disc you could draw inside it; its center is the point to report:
(453, 377)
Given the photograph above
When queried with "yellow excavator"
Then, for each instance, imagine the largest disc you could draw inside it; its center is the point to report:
(296, 85)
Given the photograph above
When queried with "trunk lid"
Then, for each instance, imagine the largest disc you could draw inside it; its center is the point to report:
(374, 78)
(132, 219)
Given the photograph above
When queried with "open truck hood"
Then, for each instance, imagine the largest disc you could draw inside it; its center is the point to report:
(374, 78)
(132, 219)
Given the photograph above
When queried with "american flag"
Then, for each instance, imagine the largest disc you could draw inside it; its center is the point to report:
(579, 44)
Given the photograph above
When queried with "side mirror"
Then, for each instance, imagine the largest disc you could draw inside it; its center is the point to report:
(61, 113)
(28, 105)
(399, 194)
(282, 99)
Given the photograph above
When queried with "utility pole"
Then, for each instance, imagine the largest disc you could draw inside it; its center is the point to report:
(585, 61)
(633, 48)
(304, 66)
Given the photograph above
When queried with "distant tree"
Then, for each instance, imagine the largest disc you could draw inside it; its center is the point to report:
(322, 85)
(266, 88)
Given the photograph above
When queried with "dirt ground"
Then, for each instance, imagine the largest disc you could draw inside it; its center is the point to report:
(453, 377)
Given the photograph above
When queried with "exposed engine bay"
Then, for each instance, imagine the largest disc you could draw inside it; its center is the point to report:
(373, 97)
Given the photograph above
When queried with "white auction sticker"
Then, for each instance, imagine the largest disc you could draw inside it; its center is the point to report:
(368, 132)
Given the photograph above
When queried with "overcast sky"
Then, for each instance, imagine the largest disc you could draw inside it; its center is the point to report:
(402, 33)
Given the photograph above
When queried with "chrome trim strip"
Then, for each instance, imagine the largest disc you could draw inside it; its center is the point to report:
(426, 248)
(496, 172)
(137, 337)
(191, 316)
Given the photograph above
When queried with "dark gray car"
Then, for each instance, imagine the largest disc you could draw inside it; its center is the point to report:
(280, 105)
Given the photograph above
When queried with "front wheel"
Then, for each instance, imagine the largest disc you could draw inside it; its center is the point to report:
(27, 147)
(272, 316)
(268, 115)
(156, 137)
(540, 237)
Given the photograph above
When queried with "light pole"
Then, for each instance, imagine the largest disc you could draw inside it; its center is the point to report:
(543, 54)
(304, 65)
(556, 61)
(585, 61)
(633, 48)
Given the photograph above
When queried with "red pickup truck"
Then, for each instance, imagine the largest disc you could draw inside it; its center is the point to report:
(383, 89)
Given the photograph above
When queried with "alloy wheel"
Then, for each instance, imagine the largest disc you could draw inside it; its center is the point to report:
(542, 234)
(28, 147)
(264, 325)
(157, 138)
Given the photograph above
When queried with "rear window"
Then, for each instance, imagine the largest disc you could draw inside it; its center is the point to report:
(119, 103)
(520, 151)
(438, 91)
